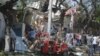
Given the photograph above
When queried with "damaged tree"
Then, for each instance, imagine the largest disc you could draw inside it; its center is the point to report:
(88, 13)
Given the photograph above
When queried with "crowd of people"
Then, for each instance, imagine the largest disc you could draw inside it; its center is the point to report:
(37, 40)
(61, 42)
(93, 43)
(45, 44)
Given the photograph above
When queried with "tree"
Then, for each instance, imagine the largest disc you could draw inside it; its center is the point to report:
(89, 13)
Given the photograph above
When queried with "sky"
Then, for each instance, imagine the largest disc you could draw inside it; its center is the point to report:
(72, 3)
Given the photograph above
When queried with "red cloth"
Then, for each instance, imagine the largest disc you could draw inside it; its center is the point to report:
(38, 34)
(45, 48)
(64, 47)
(60, 49)
(56, 48)
(45, 34)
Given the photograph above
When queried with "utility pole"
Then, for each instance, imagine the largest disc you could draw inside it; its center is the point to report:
(23, 24)
(72, 22)
(49, 16)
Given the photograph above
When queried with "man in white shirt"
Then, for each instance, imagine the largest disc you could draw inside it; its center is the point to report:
(94, 43)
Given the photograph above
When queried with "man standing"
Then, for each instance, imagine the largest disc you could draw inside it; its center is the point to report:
(99, 44)
(89, 43)
(94, 43)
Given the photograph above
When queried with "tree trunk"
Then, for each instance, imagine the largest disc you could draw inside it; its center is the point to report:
(62, 17)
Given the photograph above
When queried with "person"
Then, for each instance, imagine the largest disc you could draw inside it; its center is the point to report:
(58, 51)
(89, 44)
(38, 46)
(56, 47)
(68, 39)
(74, 42)
(64, 48)
(78, 37)
(94, 43)
(89, 40)
(99, 44)
(31, 35)
(51, 44)
(84, 39)
(45, 47)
